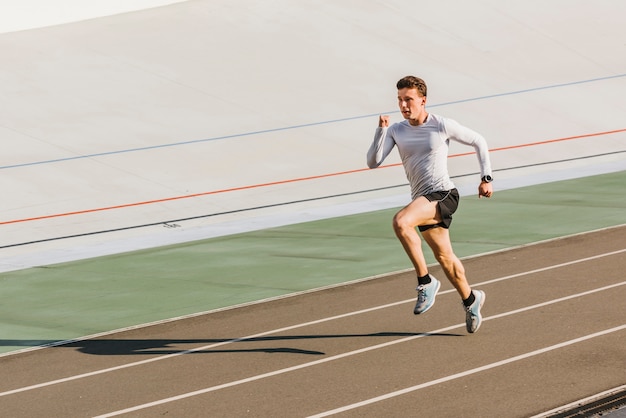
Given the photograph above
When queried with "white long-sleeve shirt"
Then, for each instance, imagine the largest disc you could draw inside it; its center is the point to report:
(424, 151)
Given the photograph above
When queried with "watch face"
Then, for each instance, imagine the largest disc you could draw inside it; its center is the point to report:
(487, 179)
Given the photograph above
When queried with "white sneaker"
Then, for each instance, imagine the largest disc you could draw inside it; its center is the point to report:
(426, 296)
(473, 318)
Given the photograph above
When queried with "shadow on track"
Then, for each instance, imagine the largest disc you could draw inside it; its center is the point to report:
(117, 347)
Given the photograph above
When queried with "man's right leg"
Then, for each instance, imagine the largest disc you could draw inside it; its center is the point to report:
(419, 212)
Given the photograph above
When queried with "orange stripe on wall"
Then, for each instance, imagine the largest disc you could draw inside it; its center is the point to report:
(275, 183)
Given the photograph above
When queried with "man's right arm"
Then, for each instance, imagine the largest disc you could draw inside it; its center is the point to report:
(382, 144)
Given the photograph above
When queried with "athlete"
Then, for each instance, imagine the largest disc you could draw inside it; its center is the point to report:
(423, 141)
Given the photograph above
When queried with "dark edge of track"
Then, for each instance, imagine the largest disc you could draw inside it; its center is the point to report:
(598, 407)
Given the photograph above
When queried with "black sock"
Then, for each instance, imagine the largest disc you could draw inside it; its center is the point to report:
(471, 299)
(424, 279)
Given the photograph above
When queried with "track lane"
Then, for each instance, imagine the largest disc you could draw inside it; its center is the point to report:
(317, 344)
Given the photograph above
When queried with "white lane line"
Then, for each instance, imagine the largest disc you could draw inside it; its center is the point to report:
(343, 355)
(555, 266)
(292, 327)
(468, 372)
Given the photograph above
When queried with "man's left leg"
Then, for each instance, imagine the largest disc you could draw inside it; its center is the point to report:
(438, 239)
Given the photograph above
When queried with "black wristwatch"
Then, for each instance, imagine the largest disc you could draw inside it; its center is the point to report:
(487, 179)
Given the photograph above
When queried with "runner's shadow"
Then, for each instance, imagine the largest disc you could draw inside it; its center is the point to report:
(119, 347)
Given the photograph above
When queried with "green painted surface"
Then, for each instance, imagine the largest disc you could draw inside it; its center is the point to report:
(70, 300)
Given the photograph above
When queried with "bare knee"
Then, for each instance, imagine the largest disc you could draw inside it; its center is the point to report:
(401, 225)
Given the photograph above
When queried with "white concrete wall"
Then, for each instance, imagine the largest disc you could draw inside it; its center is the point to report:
(204, 96)
(16, 15)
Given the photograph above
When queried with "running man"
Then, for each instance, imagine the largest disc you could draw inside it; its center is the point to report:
(423, 141)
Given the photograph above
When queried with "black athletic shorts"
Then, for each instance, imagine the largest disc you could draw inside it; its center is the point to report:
(447, 203)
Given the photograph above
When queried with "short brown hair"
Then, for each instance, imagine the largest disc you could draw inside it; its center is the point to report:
(412, 82)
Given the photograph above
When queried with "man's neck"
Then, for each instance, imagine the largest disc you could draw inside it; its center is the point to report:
(419, 120)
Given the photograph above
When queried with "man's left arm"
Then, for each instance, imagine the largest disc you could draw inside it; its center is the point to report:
(466, 136)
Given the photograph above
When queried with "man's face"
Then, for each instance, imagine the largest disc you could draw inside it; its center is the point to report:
(410, 102)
